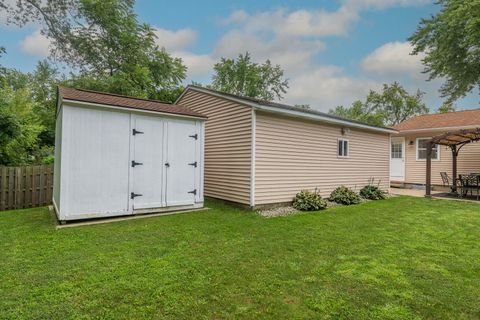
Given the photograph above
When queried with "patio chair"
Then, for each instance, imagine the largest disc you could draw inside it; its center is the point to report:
(469, 183)
(448, 181)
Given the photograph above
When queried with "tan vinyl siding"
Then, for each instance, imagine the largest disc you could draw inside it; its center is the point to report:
(227, 146)
(468, 160)
(294, 154)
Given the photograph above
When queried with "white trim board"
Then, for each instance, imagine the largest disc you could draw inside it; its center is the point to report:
(416, 149)
(253, 158)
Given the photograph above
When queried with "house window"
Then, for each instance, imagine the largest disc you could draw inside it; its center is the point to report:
(422, 149)
(342, 148)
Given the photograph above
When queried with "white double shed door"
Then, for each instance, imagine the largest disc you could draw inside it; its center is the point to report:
(114, 163)
(164, 162)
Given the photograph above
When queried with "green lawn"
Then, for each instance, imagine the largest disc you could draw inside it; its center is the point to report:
(402, 258)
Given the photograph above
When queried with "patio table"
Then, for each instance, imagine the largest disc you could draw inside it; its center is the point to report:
(469, 182)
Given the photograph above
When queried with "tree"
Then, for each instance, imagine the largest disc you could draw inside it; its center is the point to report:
(21, 124)
(244, 77)
(2, 69)
(392, 106)
(447, 107)
(359, 112)
(43, 84)
(450, 41)
(105, 42)
(57, 18)
(396, 104)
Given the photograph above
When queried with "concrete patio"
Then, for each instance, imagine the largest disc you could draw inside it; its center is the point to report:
(438, 194)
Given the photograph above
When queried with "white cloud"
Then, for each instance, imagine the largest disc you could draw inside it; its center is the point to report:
(197, 64)
(36, 44)
(382, 4)
(237, 16)
(175, 40)
(294, 39)
(325, 87)
(394, 58)
(296, 23)
(291, 53)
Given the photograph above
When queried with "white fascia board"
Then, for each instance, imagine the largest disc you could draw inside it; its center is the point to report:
(76, 103)
(293, 113)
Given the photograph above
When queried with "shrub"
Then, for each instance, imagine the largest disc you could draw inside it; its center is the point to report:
(309, 201)
(48, 159)
(372, 193)
(344, 195)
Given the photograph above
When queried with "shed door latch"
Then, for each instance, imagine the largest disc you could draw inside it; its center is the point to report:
(194, 136)
(193, 164)
(135, 131)
(134, 163)
(194, 192)
(134, 195)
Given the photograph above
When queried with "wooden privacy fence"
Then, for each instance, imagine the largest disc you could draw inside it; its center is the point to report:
(25, 187)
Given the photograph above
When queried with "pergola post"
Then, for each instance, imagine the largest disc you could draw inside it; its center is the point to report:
(454, 167)
(428, 185)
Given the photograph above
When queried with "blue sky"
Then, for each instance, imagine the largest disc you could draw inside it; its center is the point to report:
(333, 52)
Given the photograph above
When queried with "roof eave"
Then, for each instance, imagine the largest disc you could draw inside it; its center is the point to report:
(293, 113)
(117, 107)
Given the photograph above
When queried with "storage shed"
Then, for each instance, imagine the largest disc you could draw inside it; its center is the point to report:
(261, 153)
(117, 155)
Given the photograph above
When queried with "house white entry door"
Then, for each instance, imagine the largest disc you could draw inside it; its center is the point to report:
(181, 163)
(147, 162)
(397, 159)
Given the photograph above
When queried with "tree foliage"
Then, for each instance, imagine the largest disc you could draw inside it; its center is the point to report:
(389, 107)
(105, 42)
(21, 124)
(447, 107)
(359, 111)
(105, 47)
(450, 40)
(245, 77)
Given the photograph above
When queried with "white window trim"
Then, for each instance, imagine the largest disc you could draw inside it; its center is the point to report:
(416, 149)
(348, 148)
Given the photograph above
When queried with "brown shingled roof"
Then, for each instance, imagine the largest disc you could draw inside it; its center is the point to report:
(465, 118)
(125, 101)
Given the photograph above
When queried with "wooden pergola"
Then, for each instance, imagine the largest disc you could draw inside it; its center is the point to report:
(455, 141)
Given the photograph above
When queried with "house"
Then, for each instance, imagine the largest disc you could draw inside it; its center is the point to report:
(260, 153)
(117, 155)
(408, 149)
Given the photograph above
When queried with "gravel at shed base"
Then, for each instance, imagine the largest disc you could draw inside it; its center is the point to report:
(288, 210)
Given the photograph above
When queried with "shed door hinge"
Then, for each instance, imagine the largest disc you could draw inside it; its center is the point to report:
(135, 131)
(134, 195)
(194, 192)
(193, 164)
(194, 136)
(134, 163)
